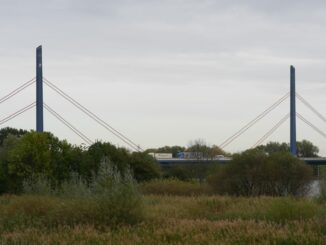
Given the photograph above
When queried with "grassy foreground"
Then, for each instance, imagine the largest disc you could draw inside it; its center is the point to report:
(168, 220)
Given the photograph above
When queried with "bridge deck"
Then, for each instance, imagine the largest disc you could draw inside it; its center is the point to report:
(177, 161)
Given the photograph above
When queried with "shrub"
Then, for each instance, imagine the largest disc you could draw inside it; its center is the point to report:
(322, 189)
(189, 172)
(174, 187)
(110, 199)
(254, 173)
(144, 167)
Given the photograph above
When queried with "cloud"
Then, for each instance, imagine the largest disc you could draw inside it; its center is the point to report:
(170, 58)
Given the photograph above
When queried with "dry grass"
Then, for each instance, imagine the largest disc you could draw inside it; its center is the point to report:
(186, 220)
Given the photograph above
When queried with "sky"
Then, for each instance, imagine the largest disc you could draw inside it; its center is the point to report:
(167, 72)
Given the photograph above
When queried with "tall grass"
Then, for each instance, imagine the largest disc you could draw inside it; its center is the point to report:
(192, 220)
(110, 199)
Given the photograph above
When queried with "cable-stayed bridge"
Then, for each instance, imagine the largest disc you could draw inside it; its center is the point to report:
(40, 105)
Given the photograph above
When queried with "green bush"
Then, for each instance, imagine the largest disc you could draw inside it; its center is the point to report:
(254, 173)
(110, 199)
(175, 187)
(322, 189)
(143, 166)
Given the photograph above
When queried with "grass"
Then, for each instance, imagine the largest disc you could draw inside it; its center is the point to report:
(169, 220)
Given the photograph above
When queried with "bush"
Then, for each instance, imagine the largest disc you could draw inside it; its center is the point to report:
(144, 167)
(254, 173)
(187, 172)
(110, 199)
(174, 187)
(322, 189)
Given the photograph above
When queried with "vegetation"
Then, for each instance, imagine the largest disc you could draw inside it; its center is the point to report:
(57, 193)
(110, 200)
(30, 155)
(304, 148)
(322, 195)
(175, 187)
(197, 146)
(254, 173)
(178, 220)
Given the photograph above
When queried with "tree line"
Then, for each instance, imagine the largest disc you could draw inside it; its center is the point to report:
(29, 155)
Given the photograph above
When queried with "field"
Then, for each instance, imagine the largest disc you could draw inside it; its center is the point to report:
(168, 220)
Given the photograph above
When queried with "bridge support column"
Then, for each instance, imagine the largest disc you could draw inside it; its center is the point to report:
(39, 90)
(293, 134)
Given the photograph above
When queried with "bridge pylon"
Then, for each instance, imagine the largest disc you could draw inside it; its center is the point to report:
(293, 129)
(39, 90)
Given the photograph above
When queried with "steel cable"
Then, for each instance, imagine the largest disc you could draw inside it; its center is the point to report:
(253, 122)
(271, 131)
(311, 125)
(17, 113)
(17, 90)
(93, 116)
(69, 125)
(306, 103)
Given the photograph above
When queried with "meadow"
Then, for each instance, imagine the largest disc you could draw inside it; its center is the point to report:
(166, 219)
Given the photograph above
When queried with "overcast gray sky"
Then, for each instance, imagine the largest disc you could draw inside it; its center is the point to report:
(167, 72)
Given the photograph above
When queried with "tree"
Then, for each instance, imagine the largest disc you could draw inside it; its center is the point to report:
(6, 183)
(144, 167)
(4, 132)
(307, 149)
(199, 148)
(39, 154)
(304, 148)
(100, 151)
(274, 147)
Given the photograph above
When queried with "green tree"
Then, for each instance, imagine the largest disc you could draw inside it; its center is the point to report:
(100, 151)
(5, 132)
(35, 154)
(307, 149)
(144, 167)
(274, 147)
(6, 183)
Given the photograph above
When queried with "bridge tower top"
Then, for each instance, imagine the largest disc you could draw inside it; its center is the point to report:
(293, 133)
(39, 90)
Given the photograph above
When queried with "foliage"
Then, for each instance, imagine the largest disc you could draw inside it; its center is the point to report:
(274, 147)
(31, 154)
(175, 187)
(144, 167)
(105, 151)
(198, 146)
(6, 182)
(305, 148)
(5, 132)
(177, 220)
(204, 151)
(35, 154)
(188, 172)
(182, 173)
(254, 173)
(111, 199)
(322, 189)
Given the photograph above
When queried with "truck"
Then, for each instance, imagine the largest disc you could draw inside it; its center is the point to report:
(157, 155)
